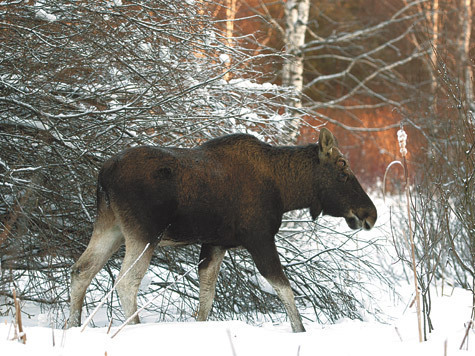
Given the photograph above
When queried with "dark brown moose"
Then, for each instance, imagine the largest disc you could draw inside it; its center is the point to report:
(228, 192)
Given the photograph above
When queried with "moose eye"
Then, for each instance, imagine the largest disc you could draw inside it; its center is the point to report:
(342, 176)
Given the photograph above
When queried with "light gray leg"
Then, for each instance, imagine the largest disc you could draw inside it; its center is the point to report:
(208, 271)
(104, 242)
(286, 295)
(128, 287)
(268, 263)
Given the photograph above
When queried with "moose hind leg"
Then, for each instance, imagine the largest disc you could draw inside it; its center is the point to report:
(208, 270)
(268, 263)
(129, 285)
(105, 240)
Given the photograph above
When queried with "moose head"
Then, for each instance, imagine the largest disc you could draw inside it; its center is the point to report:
(338, 192)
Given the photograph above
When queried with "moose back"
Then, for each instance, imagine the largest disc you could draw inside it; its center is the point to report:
(228, 192)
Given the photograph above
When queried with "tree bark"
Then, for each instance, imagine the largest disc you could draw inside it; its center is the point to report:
(230, 17)
(296, 18)
(433, 55)
(467, 71)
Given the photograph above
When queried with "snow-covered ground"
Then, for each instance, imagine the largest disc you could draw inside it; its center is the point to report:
(348, 337)
(394, 333)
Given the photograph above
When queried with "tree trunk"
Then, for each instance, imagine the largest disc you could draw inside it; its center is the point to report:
(433, 56)
(296, 18)
(464, 45)
(230, 17)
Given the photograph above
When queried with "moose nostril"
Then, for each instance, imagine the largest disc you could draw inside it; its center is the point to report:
(367, 225)
(369, 222)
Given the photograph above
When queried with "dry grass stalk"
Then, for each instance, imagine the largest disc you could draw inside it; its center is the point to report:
(21, 334)
(402, 137)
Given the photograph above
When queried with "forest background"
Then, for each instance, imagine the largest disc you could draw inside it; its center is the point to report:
(81, 80)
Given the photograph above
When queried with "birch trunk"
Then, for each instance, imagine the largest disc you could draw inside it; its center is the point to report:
(296, 17)
(230, 17)
(467, 71)
(433, 55)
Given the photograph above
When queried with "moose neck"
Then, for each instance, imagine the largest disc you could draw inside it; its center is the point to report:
(294, 171)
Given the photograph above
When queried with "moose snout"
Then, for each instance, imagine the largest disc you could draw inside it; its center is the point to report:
(363, 218)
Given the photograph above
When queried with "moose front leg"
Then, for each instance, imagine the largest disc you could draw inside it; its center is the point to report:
(211, 257)
(268, 263)
(284, 291)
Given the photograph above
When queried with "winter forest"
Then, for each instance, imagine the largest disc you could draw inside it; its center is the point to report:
(82, 80)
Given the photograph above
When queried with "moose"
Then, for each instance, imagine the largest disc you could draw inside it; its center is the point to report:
(228, 192)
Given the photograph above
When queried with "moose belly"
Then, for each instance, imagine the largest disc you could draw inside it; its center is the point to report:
(199, 227)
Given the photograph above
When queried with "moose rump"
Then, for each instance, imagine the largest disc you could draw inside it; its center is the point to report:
(228, 192)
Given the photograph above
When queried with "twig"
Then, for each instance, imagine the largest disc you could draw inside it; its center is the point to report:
(233, 350)
(386, 174)
(15, 335)
(103, 300)
(465, 338)
(398, 333)
(63, 334)
(14, 215)
(109, 327)
(153, 299)
(52, 334)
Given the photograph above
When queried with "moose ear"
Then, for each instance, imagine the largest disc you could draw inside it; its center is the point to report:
(326, 142)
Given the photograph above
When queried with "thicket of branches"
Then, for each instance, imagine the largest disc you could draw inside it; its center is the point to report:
(80, 81)
(442, 200)
(328, 271)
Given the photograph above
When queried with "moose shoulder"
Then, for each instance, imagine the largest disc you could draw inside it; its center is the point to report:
(231, 191)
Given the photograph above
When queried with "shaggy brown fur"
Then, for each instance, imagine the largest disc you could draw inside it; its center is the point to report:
(231, 191)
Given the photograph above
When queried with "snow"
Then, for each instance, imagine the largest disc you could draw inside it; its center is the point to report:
(43, 15)
(146, 47)
(393, 332)
(164, 53)
(249, 84)
(347, 337)
(210, 37)
(224, 58)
